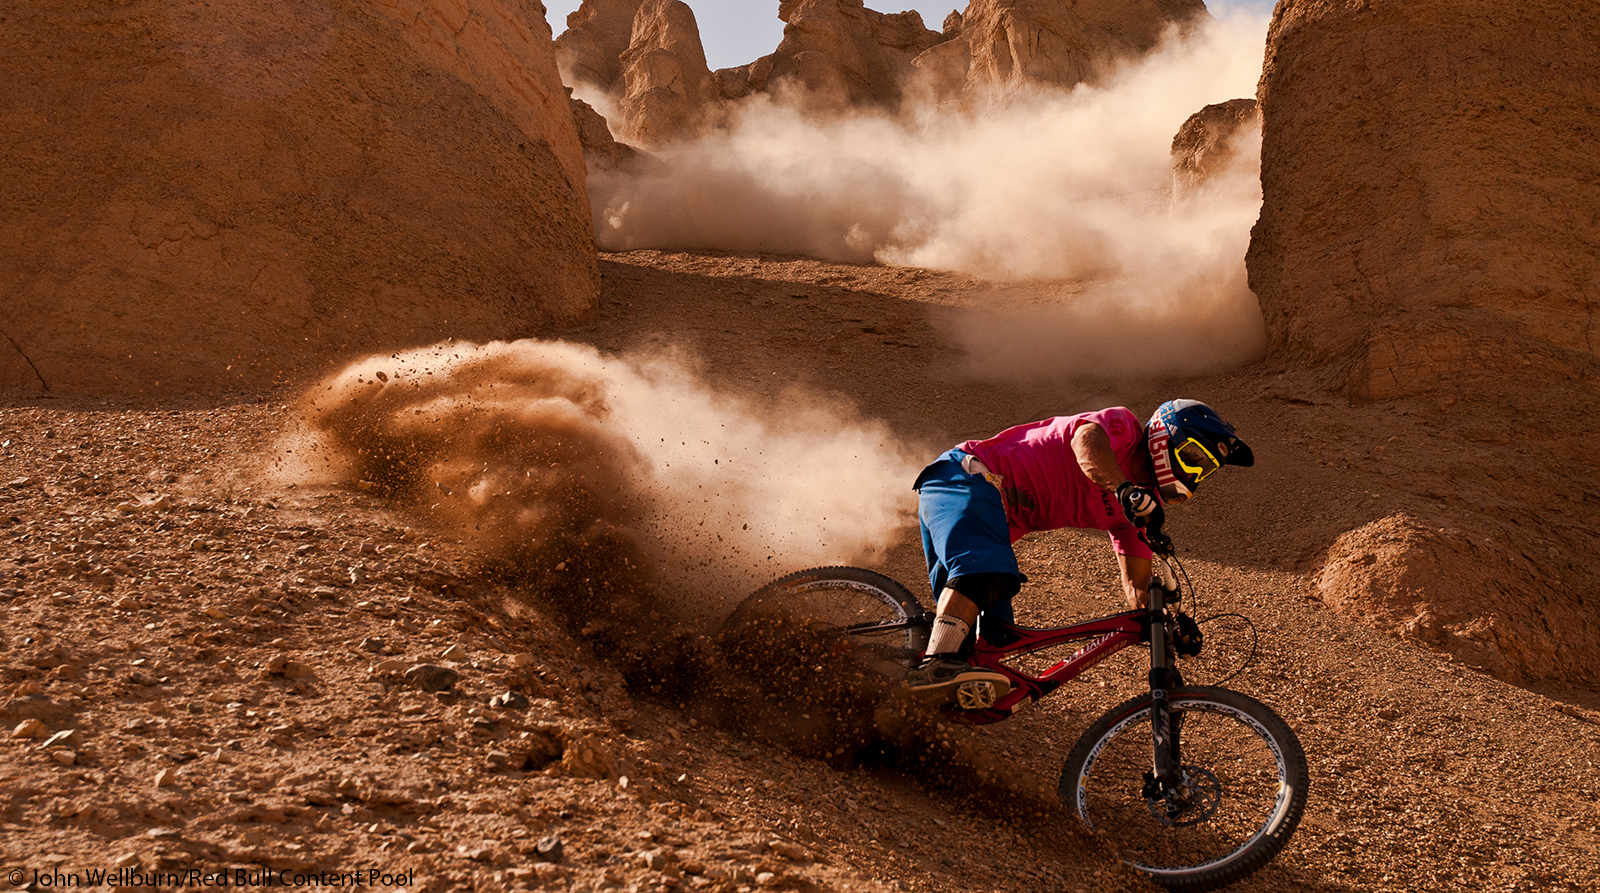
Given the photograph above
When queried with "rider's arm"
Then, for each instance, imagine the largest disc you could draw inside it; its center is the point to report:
(1136, 574)
(1092, 448)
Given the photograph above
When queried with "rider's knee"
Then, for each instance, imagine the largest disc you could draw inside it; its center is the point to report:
(986, 590)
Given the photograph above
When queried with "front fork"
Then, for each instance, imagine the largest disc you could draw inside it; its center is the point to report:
(1166, 769)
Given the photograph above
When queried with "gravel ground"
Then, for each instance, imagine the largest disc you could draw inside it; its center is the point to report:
(204, 668)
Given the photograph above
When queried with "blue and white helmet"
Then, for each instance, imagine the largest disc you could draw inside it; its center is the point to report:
(1188, 441)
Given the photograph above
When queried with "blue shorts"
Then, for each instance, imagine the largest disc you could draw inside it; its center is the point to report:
(964, 528)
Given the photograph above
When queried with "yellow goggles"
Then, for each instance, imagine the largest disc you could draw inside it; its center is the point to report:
(1195, 460)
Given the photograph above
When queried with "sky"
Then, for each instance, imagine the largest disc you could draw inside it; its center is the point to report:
(738, 31)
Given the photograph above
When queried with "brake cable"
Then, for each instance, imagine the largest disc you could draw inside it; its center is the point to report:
(1194, 600)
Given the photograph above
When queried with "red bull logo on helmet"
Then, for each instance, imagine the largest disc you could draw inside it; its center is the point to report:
(1173, 490)
(1161, 457)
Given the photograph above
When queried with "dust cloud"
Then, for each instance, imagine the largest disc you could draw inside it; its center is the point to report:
(1072, 189)
(589, 472)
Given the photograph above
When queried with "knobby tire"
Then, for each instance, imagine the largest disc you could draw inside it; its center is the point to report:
(1248, 777)
(822, 648)
(845, 605)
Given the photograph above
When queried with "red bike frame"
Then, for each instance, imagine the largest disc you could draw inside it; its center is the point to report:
(1107, 636)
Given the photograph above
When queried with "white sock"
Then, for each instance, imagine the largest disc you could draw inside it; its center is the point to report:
(948, 634)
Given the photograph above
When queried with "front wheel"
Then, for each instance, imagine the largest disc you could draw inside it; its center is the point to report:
(1240, 796)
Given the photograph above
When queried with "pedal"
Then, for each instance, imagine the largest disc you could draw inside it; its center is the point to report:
(978, 695)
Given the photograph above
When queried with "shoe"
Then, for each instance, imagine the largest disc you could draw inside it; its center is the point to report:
(943, 674)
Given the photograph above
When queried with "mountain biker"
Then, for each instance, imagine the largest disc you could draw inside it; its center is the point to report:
(1098, 470)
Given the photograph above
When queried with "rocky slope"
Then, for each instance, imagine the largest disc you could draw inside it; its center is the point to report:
(1209, 142)
(220, 655)
(204, 667)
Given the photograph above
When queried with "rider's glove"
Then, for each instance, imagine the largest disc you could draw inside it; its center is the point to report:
(1139, 505)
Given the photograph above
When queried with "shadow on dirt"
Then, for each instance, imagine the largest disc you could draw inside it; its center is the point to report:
(788, 686)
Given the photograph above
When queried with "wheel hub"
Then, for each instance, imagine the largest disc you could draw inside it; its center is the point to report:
(1194, 799)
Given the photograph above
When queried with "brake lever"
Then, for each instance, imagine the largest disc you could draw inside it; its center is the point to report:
(1160, 543)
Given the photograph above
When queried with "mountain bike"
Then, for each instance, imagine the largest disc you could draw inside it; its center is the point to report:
(1194, 786)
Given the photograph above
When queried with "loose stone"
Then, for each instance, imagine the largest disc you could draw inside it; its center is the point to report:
(30, 728)
(510, 701)
(550, 849)
(430, 677)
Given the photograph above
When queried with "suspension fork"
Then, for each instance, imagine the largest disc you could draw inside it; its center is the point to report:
(1163, 729)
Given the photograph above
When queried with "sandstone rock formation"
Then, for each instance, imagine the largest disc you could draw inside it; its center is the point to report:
(1207, 143)
(1428, 239)
(646, 55)
(1430, 180)
(206, 196)
(601, 151)
(666, 83)
(1012, 45)
(835, 54)
(839, 54)
(739, 82)
(589, 52)
(646, 58)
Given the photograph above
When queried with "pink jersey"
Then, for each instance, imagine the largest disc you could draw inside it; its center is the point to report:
(1044, 487)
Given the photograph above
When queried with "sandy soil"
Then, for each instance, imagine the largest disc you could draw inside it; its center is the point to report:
(202, 670)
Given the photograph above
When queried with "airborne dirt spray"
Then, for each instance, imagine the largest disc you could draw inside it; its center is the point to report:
(615, 479)
(1070, 189)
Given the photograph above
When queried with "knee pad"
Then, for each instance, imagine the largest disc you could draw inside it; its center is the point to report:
(986, 589)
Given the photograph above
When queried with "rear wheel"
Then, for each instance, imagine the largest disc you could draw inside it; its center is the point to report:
(1243, 788)
(822, 647)
(846, 611)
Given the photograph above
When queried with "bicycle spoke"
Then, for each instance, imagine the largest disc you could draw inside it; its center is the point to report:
(1240, 793)
(1225, 763)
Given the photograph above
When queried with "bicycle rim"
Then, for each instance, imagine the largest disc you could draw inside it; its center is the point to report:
(821, 649)
(1245, 790)
(832, 613)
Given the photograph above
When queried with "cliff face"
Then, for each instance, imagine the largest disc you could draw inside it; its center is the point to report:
(203, 197)
(998, 47)
(1429, 245)
(666, 80)
(590, 51)
(839, 54)
(1431, 174)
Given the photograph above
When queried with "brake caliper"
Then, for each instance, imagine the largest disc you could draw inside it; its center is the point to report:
(1186, 636)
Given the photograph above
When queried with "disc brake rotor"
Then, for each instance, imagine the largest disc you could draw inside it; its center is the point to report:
(1189, 803)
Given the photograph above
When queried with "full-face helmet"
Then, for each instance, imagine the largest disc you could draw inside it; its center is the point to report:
(1188, 441)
